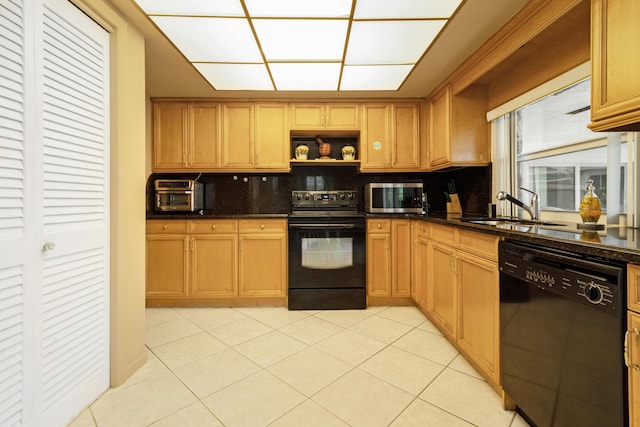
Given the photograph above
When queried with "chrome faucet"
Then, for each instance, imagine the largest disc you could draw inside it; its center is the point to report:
(533, 209)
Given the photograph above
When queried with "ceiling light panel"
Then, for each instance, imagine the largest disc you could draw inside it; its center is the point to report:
(211, 39)
(374, 77)
(236, 76)
(192, 7)
(299, 8)
(390, 42)
(311, 76)
(405, 9)
(302, 40)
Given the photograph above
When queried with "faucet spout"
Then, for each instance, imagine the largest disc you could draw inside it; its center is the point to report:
(533, 209)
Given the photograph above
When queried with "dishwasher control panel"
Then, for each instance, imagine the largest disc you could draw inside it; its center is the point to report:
(580, 284)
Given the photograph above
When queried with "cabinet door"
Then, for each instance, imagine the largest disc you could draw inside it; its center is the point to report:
(440, 128)
(375, 148)
(204, 135)
(443, 287)
(167, 265)
(263, 265)
(478, 331)
(214, 265)
(170, 132)
(237, 136)
(634, 374)
(342, 116)
(633, 287)
(378, 264)
(401, 258)
(615, 58)
(272, 136)
(307, 116)
(421, 272)
(406, 138)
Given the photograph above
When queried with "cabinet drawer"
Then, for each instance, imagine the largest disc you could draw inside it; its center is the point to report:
(214, 226)
(443, 234)
(479, 244)
(155, 226)
(378, 225)
(633, 287)
(263, 226)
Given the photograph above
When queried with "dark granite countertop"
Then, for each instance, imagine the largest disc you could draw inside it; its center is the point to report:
(197, 216)
(620, 243)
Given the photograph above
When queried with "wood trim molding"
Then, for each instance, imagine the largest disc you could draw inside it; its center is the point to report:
(530, 21)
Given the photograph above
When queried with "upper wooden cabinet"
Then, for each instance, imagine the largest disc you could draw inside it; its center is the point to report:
(615, 58)
(458, 128)
(325, 116)
(186, 135)
(207, 136)
(390, 138)
(272, 136)
(238, 135)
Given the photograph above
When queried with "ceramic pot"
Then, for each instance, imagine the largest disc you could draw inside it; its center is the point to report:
(302, 152)
(348, 152)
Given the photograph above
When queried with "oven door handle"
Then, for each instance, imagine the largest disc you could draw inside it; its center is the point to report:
(323, 226)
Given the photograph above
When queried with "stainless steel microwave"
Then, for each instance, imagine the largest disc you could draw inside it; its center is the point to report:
(179, 195)
(405, 197)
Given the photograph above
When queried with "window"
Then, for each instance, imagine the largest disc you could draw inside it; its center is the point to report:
(548, 149)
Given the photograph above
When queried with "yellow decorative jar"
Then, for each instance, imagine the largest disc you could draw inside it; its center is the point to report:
(590, 206)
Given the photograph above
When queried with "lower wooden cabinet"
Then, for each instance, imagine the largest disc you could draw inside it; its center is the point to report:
(208, 260)
(388, 259)
(633, 340)
(462, 288)
(263, 258)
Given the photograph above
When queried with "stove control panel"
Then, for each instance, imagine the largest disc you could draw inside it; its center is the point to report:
(324, 199)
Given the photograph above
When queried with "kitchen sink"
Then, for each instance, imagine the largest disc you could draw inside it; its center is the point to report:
(511, 221)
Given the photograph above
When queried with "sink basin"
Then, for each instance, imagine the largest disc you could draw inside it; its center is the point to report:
(511, 221)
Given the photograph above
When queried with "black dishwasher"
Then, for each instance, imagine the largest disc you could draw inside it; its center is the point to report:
(562, 323)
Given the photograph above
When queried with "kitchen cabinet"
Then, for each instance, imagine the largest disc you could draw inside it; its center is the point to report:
(389, 258)
(458, 128)
(186, 135)
(420, 267)
(272, 135)
(615, 58)
(464, 295)
(478, 276)
(390, 137)
(320, 116)
(633, 349)
(263, 258)
(221, 261)
(238, 136)
(167, 259)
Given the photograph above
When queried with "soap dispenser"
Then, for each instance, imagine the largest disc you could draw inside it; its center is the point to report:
(590, 206)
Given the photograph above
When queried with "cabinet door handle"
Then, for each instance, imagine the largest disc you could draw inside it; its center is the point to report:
(627, 362)
(261, 226)
(165, 226)
(48, 246)
(213, 227)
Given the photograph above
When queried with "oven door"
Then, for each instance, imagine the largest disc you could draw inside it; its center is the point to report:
(327, 261)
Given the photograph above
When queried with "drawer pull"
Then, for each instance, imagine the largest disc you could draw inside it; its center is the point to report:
(165, 226)
(261, 226)
(213, 227)
(379, 226)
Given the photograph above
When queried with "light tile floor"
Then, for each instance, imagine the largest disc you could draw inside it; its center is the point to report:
(267, 366)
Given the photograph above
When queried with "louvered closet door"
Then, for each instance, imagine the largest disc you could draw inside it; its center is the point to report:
(54, 224)
(15, 235)
(74, 212)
